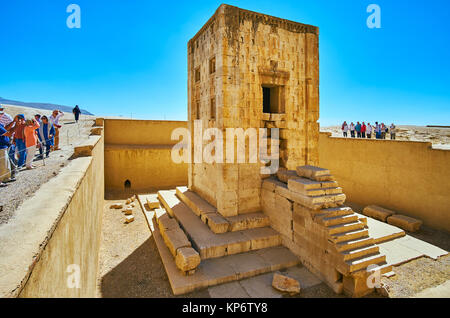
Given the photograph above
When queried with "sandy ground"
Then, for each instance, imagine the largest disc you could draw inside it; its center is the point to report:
(130, 265)
(439, 137)
(29, 181)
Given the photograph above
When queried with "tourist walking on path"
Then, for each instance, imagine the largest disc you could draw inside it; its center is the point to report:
(54, 120)
(363, 130)
(76, 112)
(16, 129)
(5, 167)
(30, 141)
(369, 131)
(45, 133)
(358, 129)
(352, 130)
(393, 131)
(6, 120)
(344, 128)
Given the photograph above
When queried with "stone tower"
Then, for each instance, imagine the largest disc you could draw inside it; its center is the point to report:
(250, 70)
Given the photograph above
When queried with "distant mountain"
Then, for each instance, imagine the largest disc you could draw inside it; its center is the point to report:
(48, 106)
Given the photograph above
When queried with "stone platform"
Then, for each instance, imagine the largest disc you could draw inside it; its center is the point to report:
(225, 257)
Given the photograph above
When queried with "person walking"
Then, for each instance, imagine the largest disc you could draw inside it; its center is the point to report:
(6, 120)
(5, 167)
(393, 131)
(352, 130)
(30, 141)
(54, 120)
(344, 129)
(363, 130)
(76, 112)
(358, 129)
(369, 131)
(16, 129)
(46, 132)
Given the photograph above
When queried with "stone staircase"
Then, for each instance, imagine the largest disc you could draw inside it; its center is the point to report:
(231, 248)
(326, 235)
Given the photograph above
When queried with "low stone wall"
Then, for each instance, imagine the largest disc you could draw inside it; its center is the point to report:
(51, 247)
(405, 176)
(138, 155)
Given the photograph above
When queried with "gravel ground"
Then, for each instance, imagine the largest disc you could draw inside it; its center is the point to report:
(29, 181)
(417, 275)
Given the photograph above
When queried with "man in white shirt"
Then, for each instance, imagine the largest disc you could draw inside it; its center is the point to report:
(54, 120)
(352, 130)
(369, 131)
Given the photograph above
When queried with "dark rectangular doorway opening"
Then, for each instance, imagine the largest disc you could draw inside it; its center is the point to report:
(273, 99)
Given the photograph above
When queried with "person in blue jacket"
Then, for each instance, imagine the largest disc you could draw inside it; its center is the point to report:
(46, 132)
(5, 167)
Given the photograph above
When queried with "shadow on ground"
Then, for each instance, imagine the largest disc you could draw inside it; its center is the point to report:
(140, 275)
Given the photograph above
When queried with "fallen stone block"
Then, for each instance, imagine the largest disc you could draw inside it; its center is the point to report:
(128, 211)
(377, 212)
(175, 239)
(285, 284)
(187, 259)
(129, 219)
(284, 175)
(405, 222)
(311, 172)
(116, 206)
(153, 202)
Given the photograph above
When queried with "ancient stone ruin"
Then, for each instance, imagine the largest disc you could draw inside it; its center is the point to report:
(249, 70)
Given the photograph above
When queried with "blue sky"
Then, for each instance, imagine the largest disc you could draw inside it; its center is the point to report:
(129, 57)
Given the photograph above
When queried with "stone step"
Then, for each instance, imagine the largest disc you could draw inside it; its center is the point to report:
(364, 261)
(210, 244)
(248, 221)
(360, 252)
(342, 228)
(354, 244)
(216, 222)
(195, 202)
(216, 271)
(331, 212)
(338, 220)
(350, 235)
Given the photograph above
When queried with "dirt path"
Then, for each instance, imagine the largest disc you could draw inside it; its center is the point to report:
(29, 181)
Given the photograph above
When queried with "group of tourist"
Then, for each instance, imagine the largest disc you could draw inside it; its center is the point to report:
(21, 137)
(366, 131)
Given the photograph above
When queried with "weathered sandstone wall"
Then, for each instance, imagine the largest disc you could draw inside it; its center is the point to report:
(405, 176)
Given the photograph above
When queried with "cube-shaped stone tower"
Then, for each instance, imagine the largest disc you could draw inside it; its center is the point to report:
(250, 70)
